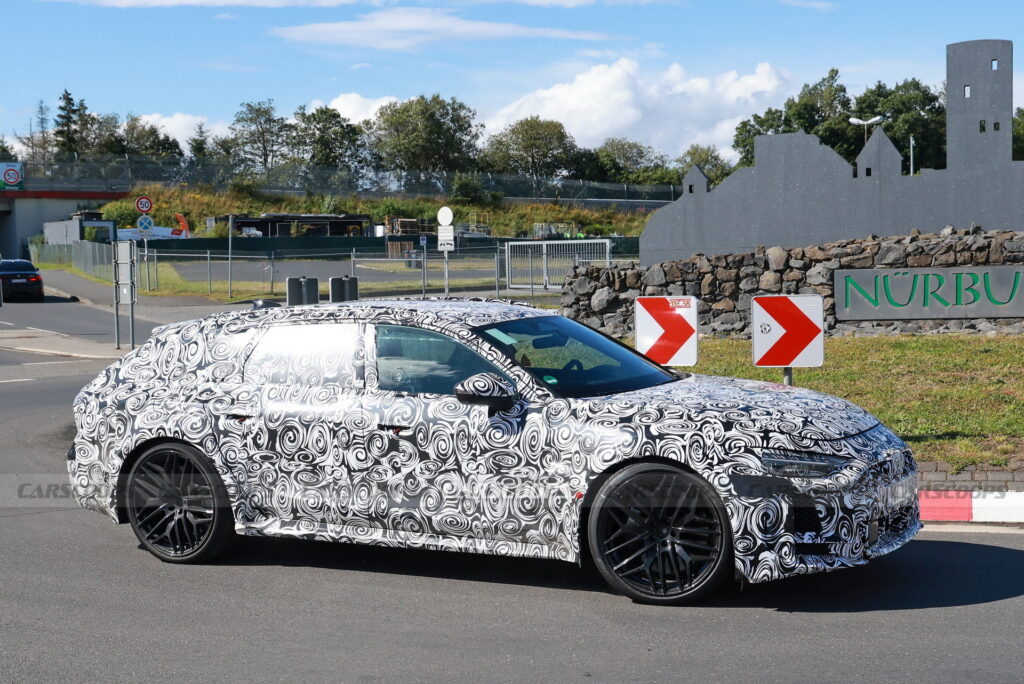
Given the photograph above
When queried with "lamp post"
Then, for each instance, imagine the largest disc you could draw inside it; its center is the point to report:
(870, 122)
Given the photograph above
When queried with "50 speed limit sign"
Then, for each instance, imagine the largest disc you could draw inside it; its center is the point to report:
(144, 204)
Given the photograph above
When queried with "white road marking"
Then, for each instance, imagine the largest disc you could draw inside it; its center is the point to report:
(972, 528)
(49, 363)
(18, 380)
(6, 323)
(52, 332)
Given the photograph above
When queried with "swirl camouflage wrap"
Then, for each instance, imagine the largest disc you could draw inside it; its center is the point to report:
(333, 444)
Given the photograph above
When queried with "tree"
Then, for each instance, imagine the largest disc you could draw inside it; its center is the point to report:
(323, 137)
(100, 134)
(260, 134)
(822, 108)
(6, 153)
(533, 147)
(708, 159)
(68, 125)
(199, 145)
(1018, 134)
(38, 142)
(910, 108)
(149, 140)
(425, 134)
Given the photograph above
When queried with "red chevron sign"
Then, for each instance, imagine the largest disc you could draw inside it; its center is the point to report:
(666, 329)
(788, 330)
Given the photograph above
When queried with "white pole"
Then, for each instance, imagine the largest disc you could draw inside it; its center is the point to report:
(231, 232)
(911, 155)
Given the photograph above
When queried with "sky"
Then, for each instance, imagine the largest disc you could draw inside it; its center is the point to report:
(668, 73)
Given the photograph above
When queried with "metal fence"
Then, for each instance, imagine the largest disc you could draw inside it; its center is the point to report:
(239, 275)
(543, 264)
(121, 173)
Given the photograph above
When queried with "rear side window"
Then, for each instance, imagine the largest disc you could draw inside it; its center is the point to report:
(308, 355)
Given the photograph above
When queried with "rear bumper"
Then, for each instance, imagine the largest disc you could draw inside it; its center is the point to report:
(13, 290)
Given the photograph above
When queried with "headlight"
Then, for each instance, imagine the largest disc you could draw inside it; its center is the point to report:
(797, 464)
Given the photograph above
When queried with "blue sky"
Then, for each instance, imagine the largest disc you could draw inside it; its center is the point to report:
(668, 73)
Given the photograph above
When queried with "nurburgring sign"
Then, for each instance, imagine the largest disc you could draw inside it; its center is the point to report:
(920, 293)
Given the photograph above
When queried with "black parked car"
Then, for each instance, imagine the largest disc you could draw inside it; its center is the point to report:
(20, 278)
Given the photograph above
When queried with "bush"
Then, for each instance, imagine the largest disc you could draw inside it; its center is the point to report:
(122, 212)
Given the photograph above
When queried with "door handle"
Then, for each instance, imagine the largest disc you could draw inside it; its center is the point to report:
(396, 430)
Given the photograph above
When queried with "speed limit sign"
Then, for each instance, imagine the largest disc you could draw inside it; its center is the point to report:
(144, 204)
(12, 176)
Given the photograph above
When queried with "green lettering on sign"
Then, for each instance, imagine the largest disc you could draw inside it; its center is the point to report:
(1013, 290)
(934, 292)
(960, 289)
(888, 292)
(850, 282)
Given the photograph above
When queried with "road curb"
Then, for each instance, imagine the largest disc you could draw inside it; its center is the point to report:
(56, 292)
(971, 506)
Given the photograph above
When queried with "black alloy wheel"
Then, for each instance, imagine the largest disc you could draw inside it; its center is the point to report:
(659, 534)
(177, 505)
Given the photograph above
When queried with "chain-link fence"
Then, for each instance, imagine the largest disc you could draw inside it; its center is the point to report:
(482, 271)
(121, 173)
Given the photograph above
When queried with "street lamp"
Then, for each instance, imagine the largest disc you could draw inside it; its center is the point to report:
(870, 122)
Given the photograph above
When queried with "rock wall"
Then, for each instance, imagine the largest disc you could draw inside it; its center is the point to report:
(602, 297)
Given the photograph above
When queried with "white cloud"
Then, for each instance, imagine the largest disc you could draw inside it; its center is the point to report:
(181, 126)
(354, 106)
(404, 28)
(225, 16)
(817, 5)
(212, 3)
(361, 65)
(668, 109)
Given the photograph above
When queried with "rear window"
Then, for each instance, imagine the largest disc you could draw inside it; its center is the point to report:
(16, 265)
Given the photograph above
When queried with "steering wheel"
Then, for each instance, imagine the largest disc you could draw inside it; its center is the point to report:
(575, 364)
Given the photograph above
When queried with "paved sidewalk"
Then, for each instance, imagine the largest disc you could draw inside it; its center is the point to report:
(47, 342)
(155, 309)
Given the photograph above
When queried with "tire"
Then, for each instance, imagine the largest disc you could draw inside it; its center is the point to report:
(177, 505)
(659, 534)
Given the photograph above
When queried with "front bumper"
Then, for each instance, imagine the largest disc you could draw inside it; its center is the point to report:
(802, 527)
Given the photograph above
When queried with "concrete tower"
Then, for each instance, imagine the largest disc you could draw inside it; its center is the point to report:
(979, 104)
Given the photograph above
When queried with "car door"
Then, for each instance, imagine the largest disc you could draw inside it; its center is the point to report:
(430, 452)
(305, 430)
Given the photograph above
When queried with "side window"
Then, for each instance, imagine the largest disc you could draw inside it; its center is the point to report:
(424, 362)
(308, 355)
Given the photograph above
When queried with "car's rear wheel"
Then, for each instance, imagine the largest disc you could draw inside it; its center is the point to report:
(659, 534)
(177, 504)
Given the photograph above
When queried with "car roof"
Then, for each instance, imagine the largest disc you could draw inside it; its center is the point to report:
(430, 312)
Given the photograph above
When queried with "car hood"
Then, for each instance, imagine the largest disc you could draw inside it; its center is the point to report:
(770, 414)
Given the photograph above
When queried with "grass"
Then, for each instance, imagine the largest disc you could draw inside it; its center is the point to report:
(953, 398)
(198, 202)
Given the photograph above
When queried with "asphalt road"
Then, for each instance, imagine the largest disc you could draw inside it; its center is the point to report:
(61, 316)
(82, 601)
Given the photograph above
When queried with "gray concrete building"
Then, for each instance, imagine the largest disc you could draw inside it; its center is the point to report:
(801, 192)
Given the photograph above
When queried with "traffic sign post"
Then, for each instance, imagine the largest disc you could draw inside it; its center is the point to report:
(445, 238)
(143, 204)
(788, 331)
(124, 287)
(144, 224)
(666, 329)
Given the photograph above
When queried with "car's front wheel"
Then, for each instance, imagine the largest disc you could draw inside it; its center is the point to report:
(177, 504)
(659, 534)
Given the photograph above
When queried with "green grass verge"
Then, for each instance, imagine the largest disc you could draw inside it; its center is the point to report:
(953, 398)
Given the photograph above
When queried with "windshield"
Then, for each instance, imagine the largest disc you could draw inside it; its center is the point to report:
(572, 359)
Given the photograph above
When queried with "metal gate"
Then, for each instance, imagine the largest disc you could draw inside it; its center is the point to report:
(544, 263)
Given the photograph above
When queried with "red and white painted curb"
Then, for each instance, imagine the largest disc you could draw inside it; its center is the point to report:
(961, 506)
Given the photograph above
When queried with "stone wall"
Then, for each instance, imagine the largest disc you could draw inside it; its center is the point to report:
(603, 297)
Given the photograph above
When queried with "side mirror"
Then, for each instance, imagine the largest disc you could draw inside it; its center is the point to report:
(487, 389)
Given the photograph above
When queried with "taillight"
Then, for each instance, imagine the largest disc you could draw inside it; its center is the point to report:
(34, 279)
